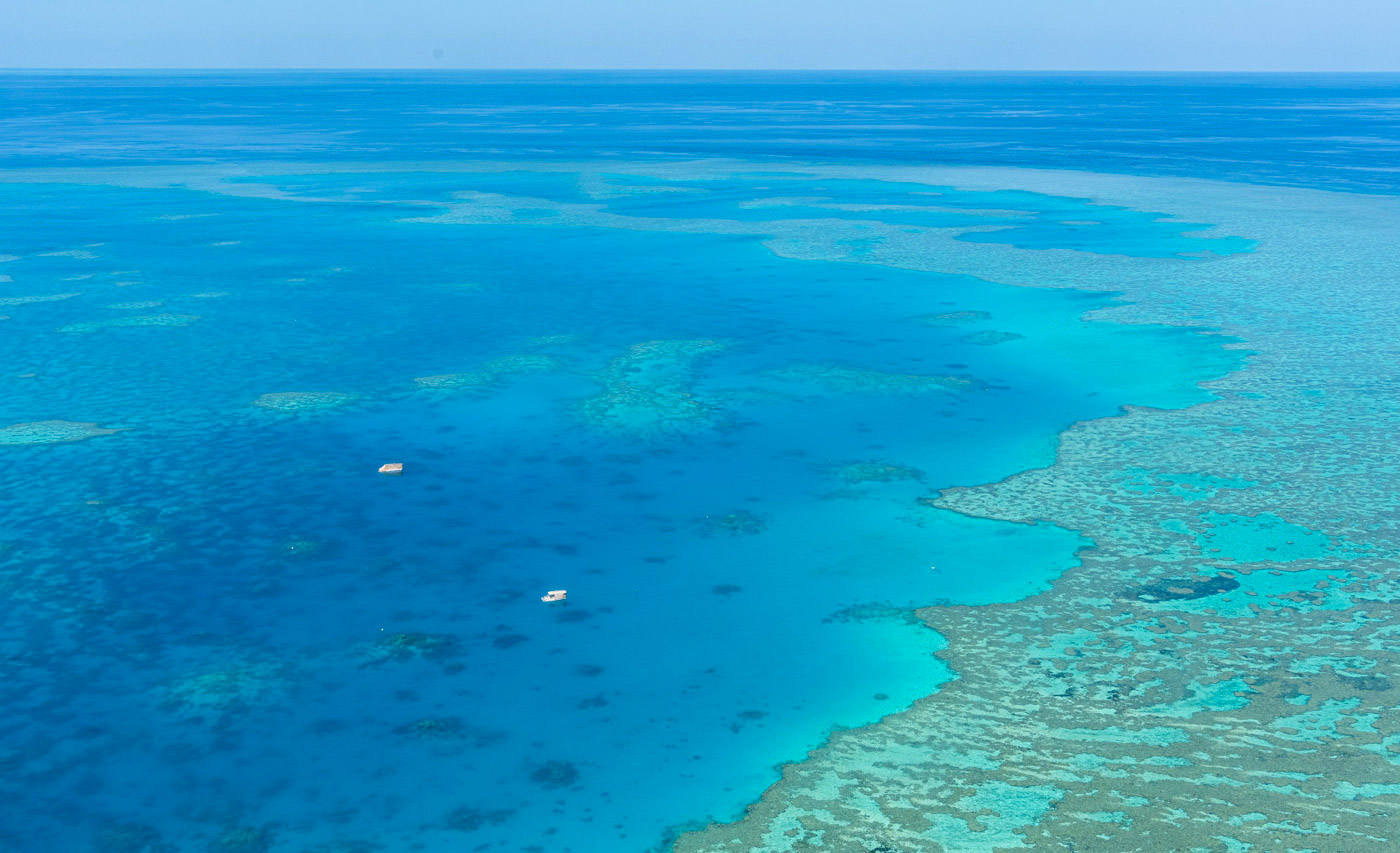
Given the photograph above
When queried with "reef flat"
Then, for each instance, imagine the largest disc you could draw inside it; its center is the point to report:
(1219, 672)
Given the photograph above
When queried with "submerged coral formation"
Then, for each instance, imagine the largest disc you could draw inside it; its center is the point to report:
(738, 523)
(243, 839)
(650, 391)
(475, 381)
(448, 730)
(458, 381)
(409, 645)
(1185, 589)
(555, 774)
(990, 337)
(952, 318)
(552, 340)
(488, 375)
(29, 300)
(525, 363)
(51, 432)
(433, 728)
(229, 689)
(144, 320)
(873, 613)
(298, 402)
(877, 472)
(470, 819)
(849, 379)
(302, 548)
(130, 838)
(1217, 674)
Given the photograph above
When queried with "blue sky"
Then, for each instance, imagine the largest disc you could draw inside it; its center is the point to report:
(1243, 35)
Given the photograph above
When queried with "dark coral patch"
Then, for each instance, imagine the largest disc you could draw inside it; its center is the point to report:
(468, 819)
(408, 645)
(738, 523)
(555, 774)
(1183, 589)
(506, 641)
(1366, 682)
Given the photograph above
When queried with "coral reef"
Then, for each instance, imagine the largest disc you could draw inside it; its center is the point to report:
(488, 376)
(877, 472)
(990, 338)
(1184, 589)
(552, 340)
(470, 819)
(555, 774)
(302, 548)
(650, 391)
(407, 646)
(230, 689)
(1217, 673)
(52, 432)
(848, 379)
(344, 846)
(243, 839)
(131, 838)
(475, 381)
(432, 728)
(299, 402)
(740, 522)
(952, 318)
(29, 300)
(144, 320)
(873, 613)
(526, 363)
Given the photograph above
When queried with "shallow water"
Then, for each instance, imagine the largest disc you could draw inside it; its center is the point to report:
(227, 630)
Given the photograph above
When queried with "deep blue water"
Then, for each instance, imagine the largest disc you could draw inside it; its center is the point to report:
(1332, 131)
(225, 631)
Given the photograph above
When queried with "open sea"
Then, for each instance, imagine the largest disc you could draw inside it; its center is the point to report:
(624, 333)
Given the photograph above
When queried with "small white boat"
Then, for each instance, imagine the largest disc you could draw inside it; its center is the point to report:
(555, 595)
(391, 468)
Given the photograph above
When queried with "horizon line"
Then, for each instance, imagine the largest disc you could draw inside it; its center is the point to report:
(702, 70)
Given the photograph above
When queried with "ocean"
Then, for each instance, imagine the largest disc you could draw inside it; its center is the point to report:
(686, 345)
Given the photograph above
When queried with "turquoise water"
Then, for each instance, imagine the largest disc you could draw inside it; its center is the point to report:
(227, 631)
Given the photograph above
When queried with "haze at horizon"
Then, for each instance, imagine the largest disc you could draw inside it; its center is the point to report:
(1088, 35)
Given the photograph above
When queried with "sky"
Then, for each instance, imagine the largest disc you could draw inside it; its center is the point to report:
(1091, 35)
